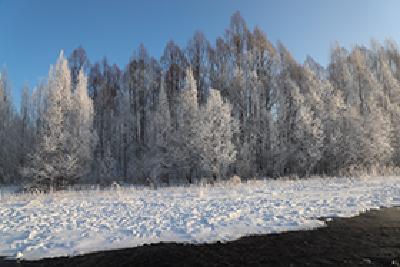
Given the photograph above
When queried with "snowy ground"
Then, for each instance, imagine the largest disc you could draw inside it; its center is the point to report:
(70, 223)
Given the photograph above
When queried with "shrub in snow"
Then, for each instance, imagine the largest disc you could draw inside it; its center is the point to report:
(203, 181)
(115, 186)
(151, 183)
(235, 180)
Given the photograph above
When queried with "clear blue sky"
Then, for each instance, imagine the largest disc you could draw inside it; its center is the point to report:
(33, 32)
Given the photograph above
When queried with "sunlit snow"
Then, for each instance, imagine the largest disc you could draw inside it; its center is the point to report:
(71, 223)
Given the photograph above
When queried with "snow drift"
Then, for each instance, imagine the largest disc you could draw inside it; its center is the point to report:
(69, 223)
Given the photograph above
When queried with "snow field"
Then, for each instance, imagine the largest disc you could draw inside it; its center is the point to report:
(76, 222)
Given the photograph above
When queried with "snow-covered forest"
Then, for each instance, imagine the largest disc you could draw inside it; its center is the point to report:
(240, 105)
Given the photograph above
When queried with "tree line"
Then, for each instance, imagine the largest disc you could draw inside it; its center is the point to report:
(239, 106)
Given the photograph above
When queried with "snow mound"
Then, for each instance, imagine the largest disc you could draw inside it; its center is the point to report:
(70, 223)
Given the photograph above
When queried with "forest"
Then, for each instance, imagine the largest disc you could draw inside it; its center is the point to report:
(239, 106)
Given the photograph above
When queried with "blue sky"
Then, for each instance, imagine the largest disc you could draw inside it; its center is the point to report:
(33, 32)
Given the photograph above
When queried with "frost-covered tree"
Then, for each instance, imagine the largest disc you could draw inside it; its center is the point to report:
(84, 134)
(25, 129)
(382, 68)
(162, 152)
(340, 74)
(4, 126)
(106, 167)
(9, 141)
(78, 61)
(174, 64)
(198, 53)
(53, 163)
(216, 135)
(376, 148)
(57, 160)
(299, 128)
(300, 133)
(187, 131)
(332, 120)
(265, 65)
(104, 87)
